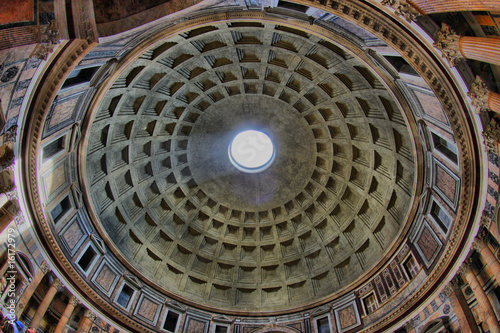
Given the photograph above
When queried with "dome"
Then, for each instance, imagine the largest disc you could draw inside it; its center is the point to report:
(326, 210)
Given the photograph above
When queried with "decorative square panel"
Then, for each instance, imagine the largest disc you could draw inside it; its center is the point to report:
(427, 244)
(346, 314)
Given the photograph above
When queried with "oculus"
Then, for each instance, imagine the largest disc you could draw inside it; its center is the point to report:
(251, 151)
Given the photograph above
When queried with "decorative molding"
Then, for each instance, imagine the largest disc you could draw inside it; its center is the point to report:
(447, 42)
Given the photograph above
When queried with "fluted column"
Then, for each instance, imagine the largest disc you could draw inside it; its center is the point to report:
(480, 48)
(460, 307)
(444, 6)
(44, 305)
(456, 48)
(63, 321)
(30, 289)
(481, 246)
(86, 322)
(483, 302)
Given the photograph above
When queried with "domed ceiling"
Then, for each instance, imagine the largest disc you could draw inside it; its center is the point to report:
(180, 215)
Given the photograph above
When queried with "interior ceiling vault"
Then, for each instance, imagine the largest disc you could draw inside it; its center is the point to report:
(373, 194)
(325, 212)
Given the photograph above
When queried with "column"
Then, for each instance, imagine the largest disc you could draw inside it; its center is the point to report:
(460, 307)
(44, 305)
(444, 6)
(28, 292)
(456, 48)
(63, 321)
(483, 302)
(86, 322)
(481, 246)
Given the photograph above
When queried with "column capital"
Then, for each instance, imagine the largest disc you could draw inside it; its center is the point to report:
(448, 43)
(402, 8)
(448, 289)
(452, 286)
(409, 325)
(491, 135)
(479, 93)
(89, 314)
(44, 267)
(465, 268)
(478, 244)
(74, 301)
(57, 284)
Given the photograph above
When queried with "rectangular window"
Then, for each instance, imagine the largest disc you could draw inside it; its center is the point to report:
(58, 212)
(445, 147)
(221, 329)
(323, 325)
(86, 259)
(293, 6)
(78, 76)
(53, 148)
(171, 321)
(401, 65)
(125, 296)
(370, 303)
(440, 216)
(411, 267)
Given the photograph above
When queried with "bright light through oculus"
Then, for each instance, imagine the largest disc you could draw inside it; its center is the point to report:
(251, 151)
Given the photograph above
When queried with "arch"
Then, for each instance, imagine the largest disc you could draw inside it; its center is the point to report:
(25, 264)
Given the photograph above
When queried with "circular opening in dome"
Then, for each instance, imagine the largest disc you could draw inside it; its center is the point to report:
(251, 151)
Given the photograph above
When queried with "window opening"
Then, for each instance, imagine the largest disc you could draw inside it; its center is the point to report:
(171, 321)
(323, 325)
(53, 148)
(445, 147)
(125, 295)
(87, 258)
(78, 76)
(58, 212)
(370, 303)
(411, 267)
(440, 216)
